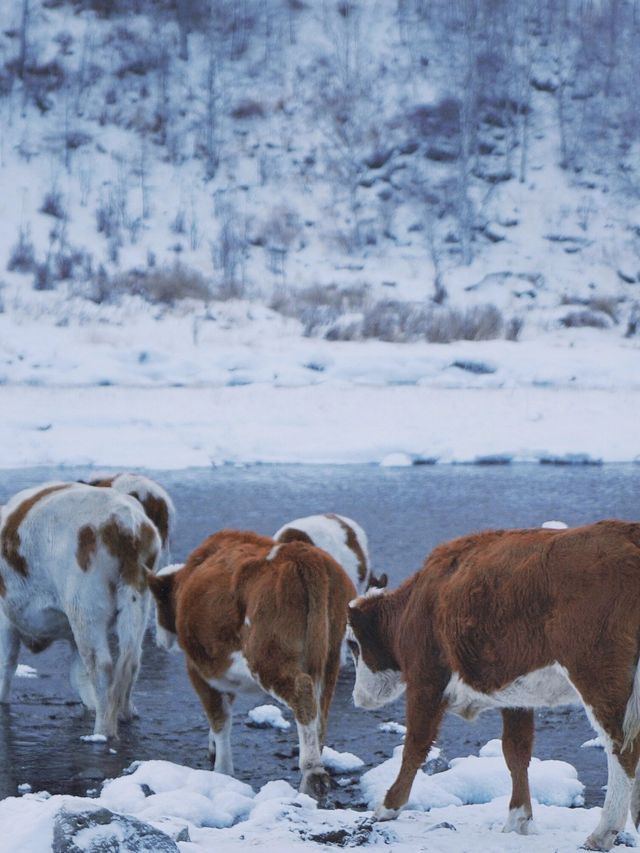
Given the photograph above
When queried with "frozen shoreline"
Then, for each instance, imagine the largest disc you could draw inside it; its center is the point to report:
(337, 423)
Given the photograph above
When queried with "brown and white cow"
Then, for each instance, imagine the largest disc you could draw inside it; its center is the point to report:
(339, 536)
(155, 501)
(73, 563)
(255, 616)
(513, 620)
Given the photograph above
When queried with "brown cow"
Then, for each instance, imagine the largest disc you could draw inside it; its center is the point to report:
(513, 620)
(256, 616)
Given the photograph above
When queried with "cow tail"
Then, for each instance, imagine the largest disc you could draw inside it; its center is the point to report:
(314, 576)
(631, 722)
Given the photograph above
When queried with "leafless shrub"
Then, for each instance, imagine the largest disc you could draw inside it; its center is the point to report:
(348, 314)
(633, 323)
(585, 318)
(228, 253)
(319, 308)
(608, 305)
(22, 257)
(166, 286)
(513, 328)
(52, 204)
(248, 108)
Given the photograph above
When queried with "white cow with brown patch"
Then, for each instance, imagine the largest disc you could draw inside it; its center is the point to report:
(155, 501)
(339, 536)
(254, 616)
(513, 620)
(73, 563)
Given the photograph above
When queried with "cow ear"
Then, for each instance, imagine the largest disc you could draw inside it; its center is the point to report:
(358, 619)
(160, 585)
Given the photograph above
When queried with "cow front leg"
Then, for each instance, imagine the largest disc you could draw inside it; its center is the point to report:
(9, 648)
(424, 713)
(517, 745)
(217, 707)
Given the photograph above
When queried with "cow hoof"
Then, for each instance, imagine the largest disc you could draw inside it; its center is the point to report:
(520, 822)
(317, 785)
(128, 714)
(603, 842)
(383, 813)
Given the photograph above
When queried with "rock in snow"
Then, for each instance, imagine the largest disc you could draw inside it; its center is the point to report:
(101, 830)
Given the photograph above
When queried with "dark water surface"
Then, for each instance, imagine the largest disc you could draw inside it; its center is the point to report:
(405, 511)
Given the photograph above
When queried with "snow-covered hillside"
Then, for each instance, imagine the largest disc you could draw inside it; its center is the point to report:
(331, 194)
(321, 150)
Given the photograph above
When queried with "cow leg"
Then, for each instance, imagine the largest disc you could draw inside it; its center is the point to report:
(302, 695)
(9, 648)
(616, 805)
(621, 767)
(217, 707)
(80, 680)
(424, 712)
(517, 744)
(91, 639)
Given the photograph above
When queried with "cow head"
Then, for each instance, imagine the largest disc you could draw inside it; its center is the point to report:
(378, 676)
(162, 587)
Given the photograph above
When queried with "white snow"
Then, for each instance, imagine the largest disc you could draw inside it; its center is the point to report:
(595, 743)
(461, 809)
(93, 738)
(393, 727)
(23, 670)
(269, 716)
(182, 427)
(340, 762)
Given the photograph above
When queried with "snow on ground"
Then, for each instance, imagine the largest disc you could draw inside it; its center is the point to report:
(177, 428)
(25, 671)
(268, 716)
(222, 814)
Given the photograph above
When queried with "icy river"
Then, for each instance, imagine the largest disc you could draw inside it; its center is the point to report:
(405, 511)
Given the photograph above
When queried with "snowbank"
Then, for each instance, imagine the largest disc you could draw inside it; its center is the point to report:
(182, 427)
(203, 810)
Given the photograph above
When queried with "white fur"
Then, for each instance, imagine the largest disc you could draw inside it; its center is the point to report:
(238, 678)
(372, 690)
(59, 600)
(631, 722)
(220, 742)
(327, 533)
(273, 553)
(546, 687)
(519, 821)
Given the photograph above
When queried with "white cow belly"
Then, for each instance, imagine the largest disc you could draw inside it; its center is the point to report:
(237, 679)
(544, 687)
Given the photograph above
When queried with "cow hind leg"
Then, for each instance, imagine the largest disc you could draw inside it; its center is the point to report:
(517, 745)
(91, 639)
(133, 613)
(80, 681)
(302, 695)
(218, 708)
(9, 648)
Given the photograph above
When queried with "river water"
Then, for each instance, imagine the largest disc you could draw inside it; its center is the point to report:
(405, 511)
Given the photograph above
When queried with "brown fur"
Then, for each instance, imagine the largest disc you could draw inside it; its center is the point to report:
(292, 534)
(157, 511)
(498, 605)
(131, 552)
(87, 543)
(353, 544)
(11, 530)
(282, 605)
(104, 483)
